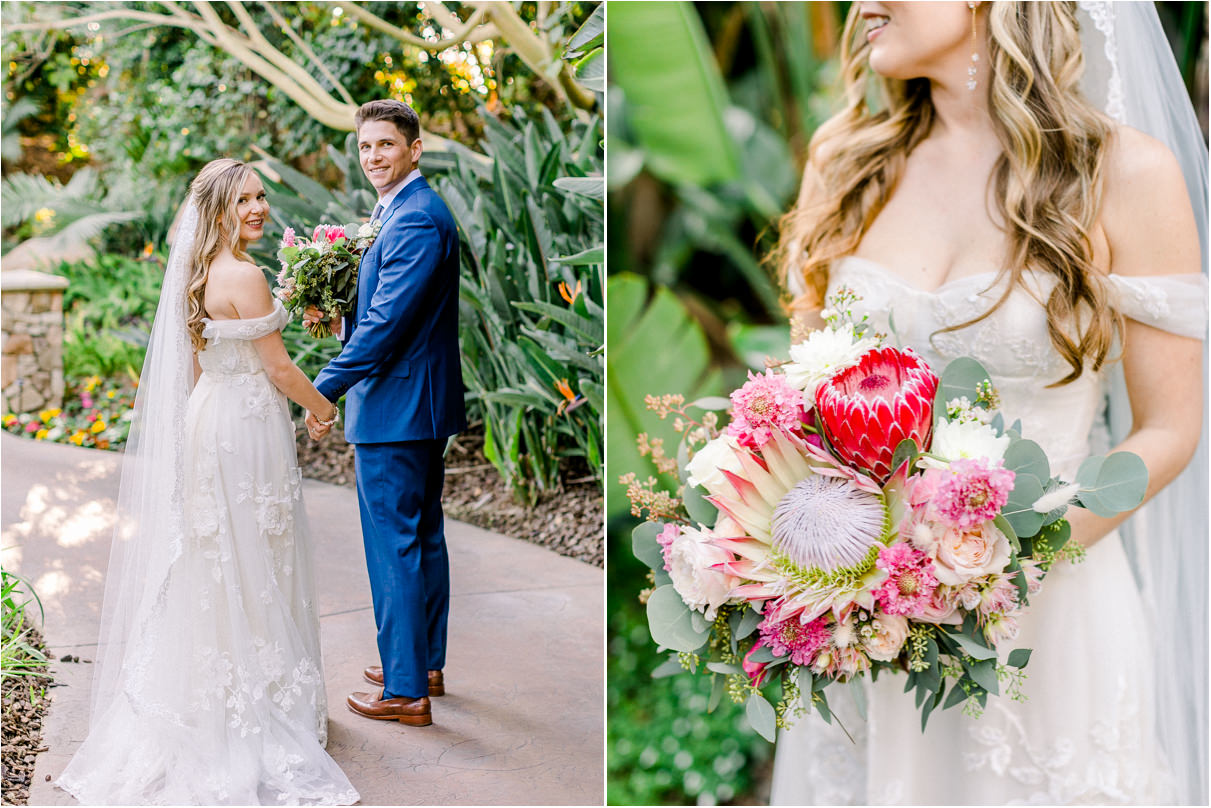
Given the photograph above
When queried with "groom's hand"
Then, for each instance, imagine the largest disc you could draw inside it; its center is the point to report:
(312, 315)
(315, 429)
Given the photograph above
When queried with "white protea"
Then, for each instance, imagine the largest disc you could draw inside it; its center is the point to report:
(822, 354)
(812, 529)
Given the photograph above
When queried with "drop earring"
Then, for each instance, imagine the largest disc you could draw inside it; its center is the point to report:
(975, 56)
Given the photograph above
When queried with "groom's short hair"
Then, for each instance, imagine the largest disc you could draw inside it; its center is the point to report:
(403, 116)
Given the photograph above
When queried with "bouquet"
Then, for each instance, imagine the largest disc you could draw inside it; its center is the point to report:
(322, 271)
(858, 515)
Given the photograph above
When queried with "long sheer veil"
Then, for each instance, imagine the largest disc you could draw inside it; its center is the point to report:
(150, 531)
(1132, 76)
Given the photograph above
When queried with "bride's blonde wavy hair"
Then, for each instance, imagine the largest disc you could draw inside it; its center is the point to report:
(214, 191)
(1047, 182)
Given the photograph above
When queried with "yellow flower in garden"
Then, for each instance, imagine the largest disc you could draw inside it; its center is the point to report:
(91, 383)
(98, 426)
(78, 438)
(46, 415)
(44, 215)
(111, 394)
(42, 433)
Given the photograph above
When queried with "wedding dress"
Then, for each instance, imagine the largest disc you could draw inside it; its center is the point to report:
(209, 688)
(1085, 732)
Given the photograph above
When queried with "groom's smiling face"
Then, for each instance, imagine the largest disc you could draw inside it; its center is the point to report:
(385, 154)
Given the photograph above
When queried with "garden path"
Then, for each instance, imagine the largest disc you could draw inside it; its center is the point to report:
(522, 721)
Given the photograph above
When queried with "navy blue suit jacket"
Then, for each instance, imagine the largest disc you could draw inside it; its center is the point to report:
(399, 367)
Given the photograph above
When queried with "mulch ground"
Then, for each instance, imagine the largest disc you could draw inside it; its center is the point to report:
(25, 699)
(570, 521)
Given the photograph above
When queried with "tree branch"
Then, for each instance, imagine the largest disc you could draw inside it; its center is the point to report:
(257, 42)
(306, 49)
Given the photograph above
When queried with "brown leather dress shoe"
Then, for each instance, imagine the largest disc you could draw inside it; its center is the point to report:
(437, 684)
(413, 712)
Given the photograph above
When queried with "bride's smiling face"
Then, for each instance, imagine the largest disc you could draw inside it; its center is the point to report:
(251, 209)
(911, 40)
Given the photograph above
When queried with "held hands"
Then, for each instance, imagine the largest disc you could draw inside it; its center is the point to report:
(312, 315)
(318, 429)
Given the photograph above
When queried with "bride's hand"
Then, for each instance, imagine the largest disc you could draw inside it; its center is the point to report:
(315, 429)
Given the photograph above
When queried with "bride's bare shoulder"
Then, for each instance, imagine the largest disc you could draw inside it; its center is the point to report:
(1146, 212)
(237, 289)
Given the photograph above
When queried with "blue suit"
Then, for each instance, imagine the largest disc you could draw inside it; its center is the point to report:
(400, 374)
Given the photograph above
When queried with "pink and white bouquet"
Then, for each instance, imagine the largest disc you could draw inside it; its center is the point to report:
(322, 271)
(858, 514)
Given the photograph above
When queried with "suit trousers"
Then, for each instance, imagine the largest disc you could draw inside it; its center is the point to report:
(399, 487)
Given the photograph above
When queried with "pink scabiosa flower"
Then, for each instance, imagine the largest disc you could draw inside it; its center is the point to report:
(867, 409)
(970, 492)
(665, 540)
(802, 641)
(288, 237)
(910, 580)
(764, 403)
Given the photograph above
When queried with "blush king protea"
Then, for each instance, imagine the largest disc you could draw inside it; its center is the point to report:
(866, 410)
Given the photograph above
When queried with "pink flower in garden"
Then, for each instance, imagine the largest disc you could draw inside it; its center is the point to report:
(970, 492)
(288, 237)
(31, 427)
(764, 403)
(86, 401)
(801, 641)
(665, 539)
(910, 580)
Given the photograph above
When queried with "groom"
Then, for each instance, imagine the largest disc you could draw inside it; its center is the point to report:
(399, 372)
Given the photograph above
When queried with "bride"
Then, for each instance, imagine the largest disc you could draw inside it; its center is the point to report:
(209, 688)
(986, 207)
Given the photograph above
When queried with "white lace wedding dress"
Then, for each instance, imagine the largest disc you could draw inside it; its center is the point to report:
(221, 692)
(1085, 733)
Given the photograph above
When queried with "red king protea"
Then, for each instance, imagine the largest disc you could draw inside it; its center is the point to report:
(866, 410)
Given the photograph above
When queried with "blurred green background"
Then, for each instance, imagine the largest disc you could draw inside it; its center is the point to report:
(710, 109)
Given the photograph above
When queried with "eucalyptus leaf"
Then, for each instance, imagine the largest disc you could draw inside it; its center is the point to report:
(984, 672)
(670, 667)
(712, 403)
(724, 667)
(1019, 511)
(748, 623)
(670, 622)
(1120, 484)
(1018, 657)
(644, 544)
(699, 509)
(1027, 457)
(972, 647)
(857, 691)
(718, 688)
(762, 654)
(760, 714)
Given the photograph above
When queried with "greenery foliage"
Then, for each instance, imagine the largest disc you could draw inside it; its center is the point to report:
(18, 655)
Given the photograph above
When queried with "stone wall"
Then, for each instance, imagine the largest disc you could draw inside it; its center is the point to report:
(31, 316)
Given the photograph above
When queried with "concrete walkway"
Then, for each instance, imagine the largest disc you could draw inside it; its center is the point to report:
(523, 719)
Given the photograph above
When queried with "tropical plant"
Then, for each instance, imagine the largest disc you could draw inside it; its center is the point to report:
(64, 216)
(10, 144)
(532, 324)
(108, 305)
